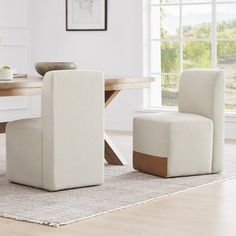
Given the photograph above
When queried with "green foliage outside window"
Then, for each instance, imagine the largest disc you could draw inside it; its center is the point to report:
(197, 54)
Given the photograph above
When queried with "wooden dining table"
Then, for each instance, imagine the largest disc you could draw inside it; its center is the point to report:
(113, 85)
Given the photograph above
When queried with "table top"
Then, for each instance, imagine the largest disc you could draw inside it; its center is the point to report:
(33, 85)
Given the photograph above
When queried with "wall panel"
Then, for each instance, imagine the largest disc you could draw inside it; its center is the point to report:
(15, 52)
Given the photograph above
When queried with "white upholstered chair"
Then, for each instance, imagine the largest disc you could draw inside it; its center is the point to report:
(65, 148)
(188, 142)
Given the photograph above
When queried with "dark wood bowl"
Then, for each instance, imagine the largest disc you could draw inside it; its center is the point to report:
(43, 67)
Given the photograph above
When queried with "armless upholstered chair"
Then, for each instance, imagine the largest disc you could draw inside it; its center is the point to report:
(188, 142)
(65, 148)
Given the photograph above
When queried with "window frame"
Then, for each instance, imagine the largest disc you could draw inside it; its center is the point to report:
(149, 95)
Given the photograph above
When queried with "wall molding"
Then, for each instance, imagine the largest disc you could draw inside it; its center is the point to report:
(14, 107)
(15, 30)
(14, 27)
(13, 46)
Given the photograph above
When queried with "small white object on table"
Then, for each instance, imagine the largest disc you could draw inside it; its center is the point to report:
(6, 74)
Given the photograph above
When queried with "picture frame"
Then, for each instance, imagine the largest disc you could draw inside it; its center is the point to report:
(86, 15)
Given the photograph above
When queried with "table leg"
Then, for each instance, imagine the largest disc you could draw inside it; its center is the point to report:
(112, 153)
(3, 127)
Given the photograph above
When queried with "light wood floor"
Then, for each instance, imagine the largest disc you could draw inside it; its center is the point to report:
(209, 211)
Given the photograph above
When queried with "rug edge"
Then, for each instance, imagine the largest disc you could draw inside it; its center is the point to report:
(56, 224)
(146, 201)
(27, 220)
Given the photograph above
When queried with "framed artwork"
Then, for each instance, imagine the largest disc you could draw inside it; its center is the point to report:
(86, 15)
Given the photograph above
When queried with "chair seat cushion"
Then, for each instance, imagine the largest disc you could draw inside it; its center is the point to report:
(183, 140)
(24, 152)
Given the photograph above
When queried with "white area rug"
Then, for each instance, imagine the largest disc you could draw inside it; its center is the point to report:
(123, 187)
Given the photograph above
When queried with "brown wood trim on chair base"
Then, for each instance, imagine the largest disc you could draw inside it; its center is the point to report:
(150, 164)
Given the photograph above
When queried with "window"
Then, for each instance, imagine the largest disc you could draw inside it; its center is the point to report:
(183, 34)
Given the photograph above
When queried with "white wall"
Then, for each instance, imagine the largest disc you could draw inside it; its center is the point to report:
(14, 51)
(117, 51)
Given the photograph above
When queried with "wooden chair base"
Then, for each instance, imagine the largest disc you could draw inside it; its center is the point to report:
(150, 164)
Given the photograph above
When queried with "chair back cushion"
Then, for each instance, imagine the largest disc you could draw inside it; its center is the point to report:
(72, 122)
(202, 92)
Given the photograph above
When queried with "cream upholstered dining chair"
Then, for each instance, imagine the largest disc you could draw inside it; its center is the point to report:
(65, 147)
(188, 142)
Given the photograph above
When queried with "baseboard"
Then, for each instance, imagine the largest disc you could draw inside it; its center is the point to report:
(230, 130)
(124, 125)
(119, 132)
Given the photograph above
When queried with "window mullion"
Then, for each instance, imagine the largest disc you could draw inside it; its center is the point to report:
(214, 36)
(181, 37)
(147, 92)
